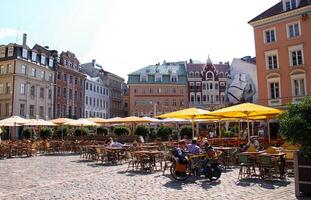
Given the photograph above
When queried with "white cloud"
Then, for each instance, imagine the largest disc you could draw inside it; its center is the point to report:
(8, 32)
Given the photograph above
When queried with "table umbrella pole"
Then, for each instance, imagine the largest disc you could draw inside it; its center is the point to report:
(219, 133)
(239, 129)
(192, 127)
(248, 131)
(269, 138)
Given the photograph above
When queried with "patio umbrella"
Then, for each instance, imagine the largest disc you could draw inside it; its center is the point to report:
(246, 111)
(132, 119)
(81, 122)
(13, 121)
(152, 119)
(98, 120)
(38, 122)
(112, 120)
(189, 113)
(61, 122)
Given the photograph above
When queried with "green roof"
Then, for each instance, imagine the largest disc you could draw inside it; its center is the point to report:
(166, 69)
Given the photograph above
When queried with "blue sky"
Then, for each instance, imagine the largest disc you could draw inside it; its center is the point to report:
(125, 35)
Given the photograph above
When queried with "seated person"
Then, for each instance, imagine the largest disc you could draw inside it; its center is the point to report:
(193, 147)
(252, 142)
(114, 143)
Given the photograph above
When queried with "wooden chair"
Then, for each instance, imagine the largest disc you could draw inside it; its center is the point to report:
(245, 166)
(267, 166)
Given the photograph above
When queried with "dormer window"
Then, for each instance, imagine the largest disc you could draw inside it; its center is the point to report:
(10, 51)
(144, 78)
(191, 74)
(158, 77)
(174, 78)
(197, 74)
(289, 4)
(42, 60)
(2, 52)
(24, 54)
(51, 62)
(34, 56)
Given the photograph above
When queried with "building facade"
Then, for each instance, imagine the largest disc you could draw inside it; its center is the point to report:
(283, 43)
(158, 89)
(112, 82)
(26, 81)
(96, 98)
(69, 87)
(207, 84)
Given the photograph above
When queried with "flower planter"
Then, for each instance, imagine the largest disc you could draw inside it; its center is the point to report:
(302, 170)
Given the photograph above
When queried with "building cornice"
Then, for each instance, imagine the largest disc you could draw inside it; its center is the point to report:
(281, 16)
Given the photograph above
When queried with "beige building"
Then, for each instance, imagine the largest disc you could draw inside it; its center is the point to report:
(26, 81)
(158, 89)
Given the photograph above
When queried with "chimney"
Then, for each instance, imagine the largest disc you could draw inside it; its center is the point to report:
(94, 62)
(47, 47)
(24, 39)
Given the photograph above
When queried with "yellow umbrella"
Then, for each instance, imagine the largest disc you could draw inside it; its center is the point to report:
(112, 120)
(80, 122)
(247, 111)
(132, 119)
(61, 121)
(189, 113)
(38, 122)
(98, 120)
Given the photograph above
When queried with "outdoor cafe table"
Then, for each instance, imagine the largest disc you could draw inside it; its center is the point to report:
(152, 156)
(226, 156)
(280, 158)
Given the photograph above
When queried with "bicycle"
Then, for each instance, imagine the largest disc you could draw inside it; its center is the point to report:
(197, 165)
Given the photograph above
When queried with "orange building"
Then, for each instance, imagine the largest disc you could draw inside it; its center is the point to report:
(283, 47)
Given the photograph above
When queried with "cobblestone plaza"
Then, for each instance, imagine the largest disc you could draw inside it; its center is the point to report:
(67, 177)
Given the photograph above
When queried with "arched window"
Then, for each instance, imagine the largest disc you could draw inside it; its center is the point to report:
(209, 76)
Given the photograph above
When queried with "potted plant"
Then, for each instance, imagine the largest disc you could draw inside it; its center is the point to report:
(295, 126)
(186, 132)
(121, 130)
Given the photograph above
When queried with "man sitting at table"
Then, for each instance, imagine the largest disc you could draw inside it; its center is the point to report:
(193, 147)
(254, 143)
(114, 143)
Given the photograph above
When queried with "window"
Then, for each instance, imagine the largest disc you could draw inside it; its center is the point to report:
(86, 100)
(65, 77)
(269, 35)
(216, 86)
(76, 95)
(204, 98)
(2, 52)
(91, 87)
(42, 75)
(7, 109)
(76, 80)
(204, 86)
(51, 62)
(31, 110)
(174, 78)
(24, 54)
(10, 51)
(90, 100)
(34, 56)
(289, 5)
(159, 90)
(41, 93)
(70, 93)
(1, 88)
(9, 68)
(32, 90)
(58, 91)
(197, 74)
(209, 76)
(33, 72)
(192, 98)
(158, 78)
(191, 74)
(22, 88)
(50, 94)
(51, 77)
(50, 112)
(293, 30)
(174, 102)
(70, 79)
(2, 69)
(22, 109)
(191, 85)
(211, 86)
(65, 92)
(23, 69)
(86, 85)
(198, 97)
(181, 90)
(59, 75)
(274, 88)
(296, 55)
(143, 78)
(298, 85)
(174, 90)
(7, 88)
(41, 111)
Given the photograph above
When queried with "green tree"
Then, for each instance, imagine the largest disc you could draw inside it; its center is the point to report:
(295, 124)
(102, 130)
(164, 132)
(186, 131)
(142, 131)
(81, 131)
(27, 132)
(46, 133)
(121, 130)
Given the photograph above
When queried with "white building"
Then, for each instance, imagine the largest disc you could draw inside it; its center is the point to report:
(96, 98)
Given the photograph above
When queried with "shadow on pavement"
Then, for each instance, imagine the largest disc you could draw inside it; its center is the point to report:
(267, 184)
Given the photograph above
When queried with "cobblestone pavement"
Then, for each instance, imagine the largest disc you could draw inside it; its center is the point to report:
(65, 177)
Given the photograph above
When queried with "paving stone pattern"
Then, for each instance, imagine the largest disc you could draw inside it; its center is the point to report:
(65, 177)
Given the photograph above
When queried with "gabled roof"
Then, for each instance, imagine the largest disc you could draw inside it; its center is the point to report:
(278, 9)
